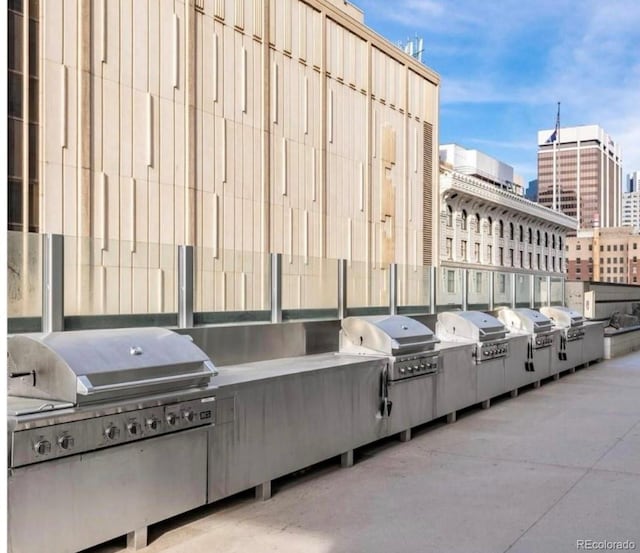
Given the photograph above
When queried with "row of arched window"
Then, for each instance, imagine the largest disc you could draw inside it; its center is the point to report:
(475, 220)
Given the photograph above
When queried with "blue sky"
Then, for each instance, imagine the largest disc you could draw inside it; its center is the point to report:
(505, 64)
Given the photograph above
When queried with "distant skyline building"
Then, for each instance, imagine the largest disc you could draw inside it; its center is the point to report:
(532, 191)
(580, 174)
(633, 182)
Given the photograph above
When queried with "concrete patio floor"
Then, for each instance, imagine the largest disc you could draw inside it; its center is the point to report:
(532, 474)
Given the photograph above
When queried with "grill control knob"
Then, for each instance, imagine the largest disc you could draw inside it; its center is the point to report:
(188, 415)
(134, 428)
(403, 370)
(112, 432)
(65, 441)
(153, 423)
(42, 447)
(172, 419)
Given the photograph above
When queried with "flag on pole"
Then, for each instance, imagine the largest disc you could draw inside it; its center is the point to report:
(554, 135)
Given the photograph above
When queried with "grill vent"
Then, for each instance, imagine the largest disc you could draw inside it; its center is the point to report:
(427, 193)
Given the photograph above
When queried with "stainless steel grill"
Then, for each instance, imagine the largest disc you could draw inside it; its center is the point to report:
(570, 321)
(408, 344)
(74, 392)
(486, 331)
(539, 326)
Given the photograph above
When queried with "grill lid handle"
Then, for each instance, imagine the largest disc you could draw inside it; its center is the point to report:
(86, 388)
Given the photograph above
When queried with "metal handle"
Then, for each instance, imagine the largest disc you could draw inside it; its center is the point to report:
(85, 388)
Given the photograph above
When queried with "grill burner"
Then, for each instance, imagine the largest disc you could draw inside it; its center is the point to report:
(487, 331)
(407, 343)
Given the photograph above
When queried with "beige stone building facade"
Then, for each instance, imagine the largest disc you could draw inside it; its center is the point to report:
(605, 255)
(240, 127)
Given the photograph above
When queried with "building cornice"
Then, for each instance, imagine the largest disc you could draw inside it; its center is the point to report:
(452, 182)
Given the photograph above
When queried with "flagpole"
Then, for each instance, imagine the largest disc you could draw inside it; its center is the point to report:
(559, 191)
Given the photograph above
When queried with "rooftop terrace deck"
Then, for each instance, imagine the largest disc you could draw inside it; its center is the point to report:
(532, 474)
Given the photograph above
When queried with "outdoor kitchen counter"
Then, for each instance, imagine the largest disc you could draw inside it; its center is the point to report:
(258, 371)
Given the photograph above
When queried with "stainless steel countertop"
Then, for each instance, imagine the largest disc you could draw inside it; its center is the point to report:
(230, 375)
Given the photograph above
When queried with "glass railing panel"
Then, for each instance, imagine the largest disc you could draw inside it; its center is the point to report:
(414, 288)
(367, 285)
(540, 291)
(118, 277)
(24, 274)
(523, 290)
(478, 290)
(227, 280)
(502, 293)
(449, 289)
(557, 291)
(309, 283)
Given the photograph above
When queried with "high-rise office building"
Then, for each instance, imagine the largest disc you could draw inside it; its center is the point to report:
(532, 191)
(633, 182)
(580, 174)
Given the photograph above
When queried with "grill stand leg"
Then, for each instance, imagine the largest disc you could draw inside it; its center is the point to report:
(486, 404)
(452, 417)
(572, 370)
(556, 376)
(405, 435)
(137, 539)
(536, 384)
(346, 459)
(514, 393)
(263, 491)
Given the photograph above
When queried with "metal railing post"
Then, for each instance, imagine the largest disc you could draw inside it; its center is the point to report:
(432, 289)
(532, 290)
(276, 287)
(492, 289)
(52, 282)
(185, 286)
(393, 289)
(342, 288)
(513, 290)
(465, 289)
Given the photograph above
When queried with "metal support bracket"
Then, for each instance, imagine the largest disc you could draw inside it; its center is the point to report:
(137, 539)
(263, 491)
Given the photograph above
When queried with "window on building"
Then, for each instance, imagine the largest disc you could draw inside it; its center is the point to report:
(590, 247)
(578, 246)
(635, 245)
(463, 250)
(521, 233)
(449, 249)
(490, 223)
(490, 254)
(546, 239)
(553, 241)
(511, 232)
(635, 279)
(608, 269)
(537, 237)
(608, 247)
(521, 258)
(511, 257)
(601, 248)
(615, 247)
(615, 269)
(463, 220)
(621, 247)
(560, 242)
(502, 283)
(530, 236)
(546, 262)
(553, 263)
(530, 260)
(538, 261)
(501, 256)
(578, 270)
(560, 264)
(451, 281)
(578, 260)
(635, 258)
(476, 252)
(478, 280)
(449, 216)
(477, 217)
(500, 229)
